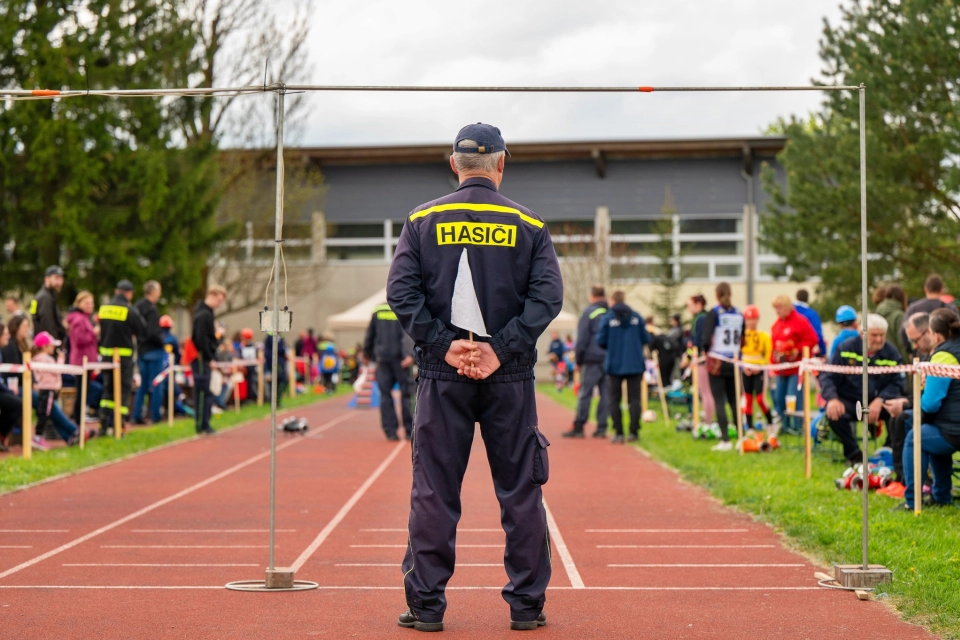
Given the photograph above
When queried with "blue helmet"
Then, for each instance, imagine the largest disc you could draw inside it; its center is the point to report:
(846, 313)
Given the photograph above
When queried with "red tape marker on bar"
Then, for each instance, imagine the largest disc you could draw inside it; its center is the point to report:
(45, 92)
(646, 89)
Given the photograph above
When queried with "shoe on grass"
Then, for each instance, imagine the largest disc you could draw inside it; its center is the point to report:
(529, 625)
(408, 620)
(617, 439)
(40, 443)
(722, 446)
(573, 433)
(632, 437)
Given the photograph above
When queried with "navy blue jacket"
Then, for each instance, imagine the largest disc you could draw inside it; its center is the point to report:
(849, 386)
(623, 333)
(515, 275)
(587, 350)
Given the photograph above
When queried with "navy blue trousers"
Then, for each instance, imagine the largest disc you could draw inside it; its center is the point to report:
(446, 415)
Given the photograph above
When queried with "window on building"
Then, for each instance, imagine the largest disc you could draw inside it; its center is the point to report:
(361, 252)
(649, 226)
(711, 225)
(354, 230)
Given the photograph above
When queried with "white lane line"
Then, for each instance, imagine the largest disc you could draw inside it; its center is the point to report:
(16, 546)
(667, 530)
(711, 566)
(211, 530)
(458, 530)
(345, 509)
(186, 546)
(400, 588)
(575, 580)
(397, 564)
(142, 564)
(686, 546)
(164, 501)
(34, 530)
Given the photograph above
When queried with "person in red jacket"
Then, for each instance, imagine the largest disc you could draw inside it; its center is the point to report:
(790, 334)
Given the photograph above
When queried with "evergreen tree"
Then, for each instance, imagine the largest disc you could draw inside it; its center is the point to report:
(99, 185)
(908, 56)
(666, 273)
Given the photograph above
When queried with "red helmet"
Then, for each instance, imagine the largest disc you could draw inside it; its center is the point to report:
(166, 322)
(247, 334)
(750, 312)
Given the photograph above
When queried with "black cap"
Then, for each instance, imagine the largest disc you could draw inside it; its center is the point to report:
(53, 270)
(125, 285)
(487, 137)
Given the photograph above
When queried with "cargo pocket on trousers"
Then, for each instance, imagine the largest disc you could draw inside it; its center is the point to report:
(541, 462)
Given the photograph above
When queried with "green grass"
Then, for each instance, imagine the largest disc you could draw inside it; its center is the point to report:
(16, 472)
(816, 518)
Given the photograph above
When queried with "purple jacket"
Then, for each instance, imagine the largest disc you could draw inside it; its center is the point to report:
(83, 341)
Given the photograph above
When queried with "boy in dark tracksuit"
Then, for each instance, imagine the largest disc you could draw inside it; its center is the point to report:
(590, 356)
(623, 333)
(392, 350)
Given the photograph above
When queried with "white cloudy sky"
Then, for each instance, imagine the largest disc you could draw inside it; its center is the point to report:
(615, 42)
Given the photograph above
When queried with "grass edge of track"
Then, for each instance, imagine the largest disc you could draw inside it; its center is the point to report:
(819, 521)
(17, 474)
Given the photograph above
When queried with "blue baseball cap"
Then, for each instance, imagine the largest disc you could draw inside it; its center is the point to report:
(846, 313)
(488, 139)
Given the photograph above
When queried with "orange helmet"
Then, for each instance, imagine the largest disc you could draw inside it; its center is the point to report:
(166, 322)
(750, 312)
(247, 334)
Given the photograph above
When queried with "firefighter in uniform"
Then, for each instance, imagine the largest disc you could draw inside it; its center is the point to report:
(388, 346)
(475, 255)
(120, 323)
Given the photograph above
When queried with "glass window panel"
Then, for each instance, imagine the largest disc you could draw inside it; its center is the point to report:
(373, 252)
(632, 271)
(397, 228)
(352, 230)
(570, 227)
(695, 270)
(773, 270)
(711, 248)
(728, 270)
(711, 225)
(639, 227)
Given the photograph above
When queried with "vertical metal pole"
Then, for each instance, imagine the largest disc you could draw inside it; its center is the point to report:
(278, 236)
(865, 419)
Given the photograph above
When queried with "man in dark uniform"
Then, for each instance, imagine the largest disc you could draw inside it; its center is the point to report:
(46, 314)
(205, 339)
(388, 346)
(120, 323)
(151, 355)
(467, 265)
(590, 357)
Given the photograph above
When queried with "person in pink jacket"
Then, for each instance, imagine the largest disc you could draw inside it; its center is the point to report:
(84, 341)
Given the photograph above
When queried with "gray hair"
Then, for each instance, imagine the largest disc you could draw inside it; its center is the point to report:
(475, 162)
(150, 286)
(877, 322)
(920, 321)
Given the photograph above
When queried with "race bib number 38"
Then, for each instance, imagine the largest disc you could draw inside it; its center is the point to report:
(478, 233)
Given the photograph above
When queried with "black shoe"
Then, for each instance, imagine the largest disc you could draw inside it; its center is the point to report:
(600, 434)
(408, 620)
(903, 506)
(529, 626)
(139, 421)
(618, 439)
(928, 501)
(393, 437)
(573, 433)
(632, 437)
(207, 431)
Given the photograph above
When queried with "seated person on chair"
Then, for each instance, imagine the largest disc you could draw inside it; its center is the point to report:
(842, 391)
(940, 405)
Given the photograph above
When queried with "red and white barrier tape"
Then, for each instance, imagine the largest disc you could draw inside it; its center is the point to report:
(233, 364)
(71, 369)
(782, 366)
(817, 364)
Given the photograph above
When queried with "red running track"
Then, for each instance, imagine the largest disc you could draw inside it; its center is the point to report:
(142, 548)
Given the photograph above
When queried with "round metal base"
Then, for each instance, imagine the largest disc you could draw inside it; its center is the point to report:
(261, 585)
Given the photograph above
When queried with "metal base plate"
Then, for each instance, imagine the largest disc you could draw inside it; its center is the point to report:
(261, 585)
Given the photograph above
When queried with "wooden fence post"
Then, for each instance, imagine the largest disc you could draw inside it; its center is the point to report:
(807, 436)
(259, 377)
(694, 377)
(27, 425)
(917, 441)
(83, 404)
(171, 382)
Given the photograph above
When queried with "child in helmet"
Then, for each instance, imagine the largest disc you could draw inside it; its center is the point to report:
(846, 319)
(755, 349)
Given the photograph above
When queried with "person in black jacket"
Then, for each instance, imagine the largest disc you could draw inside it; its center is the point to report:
(206, 341)
(46, 314)
(151, 356)
(475, 262)
(589, 357)
(120, 324)
(843, 391)
(392, 350)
